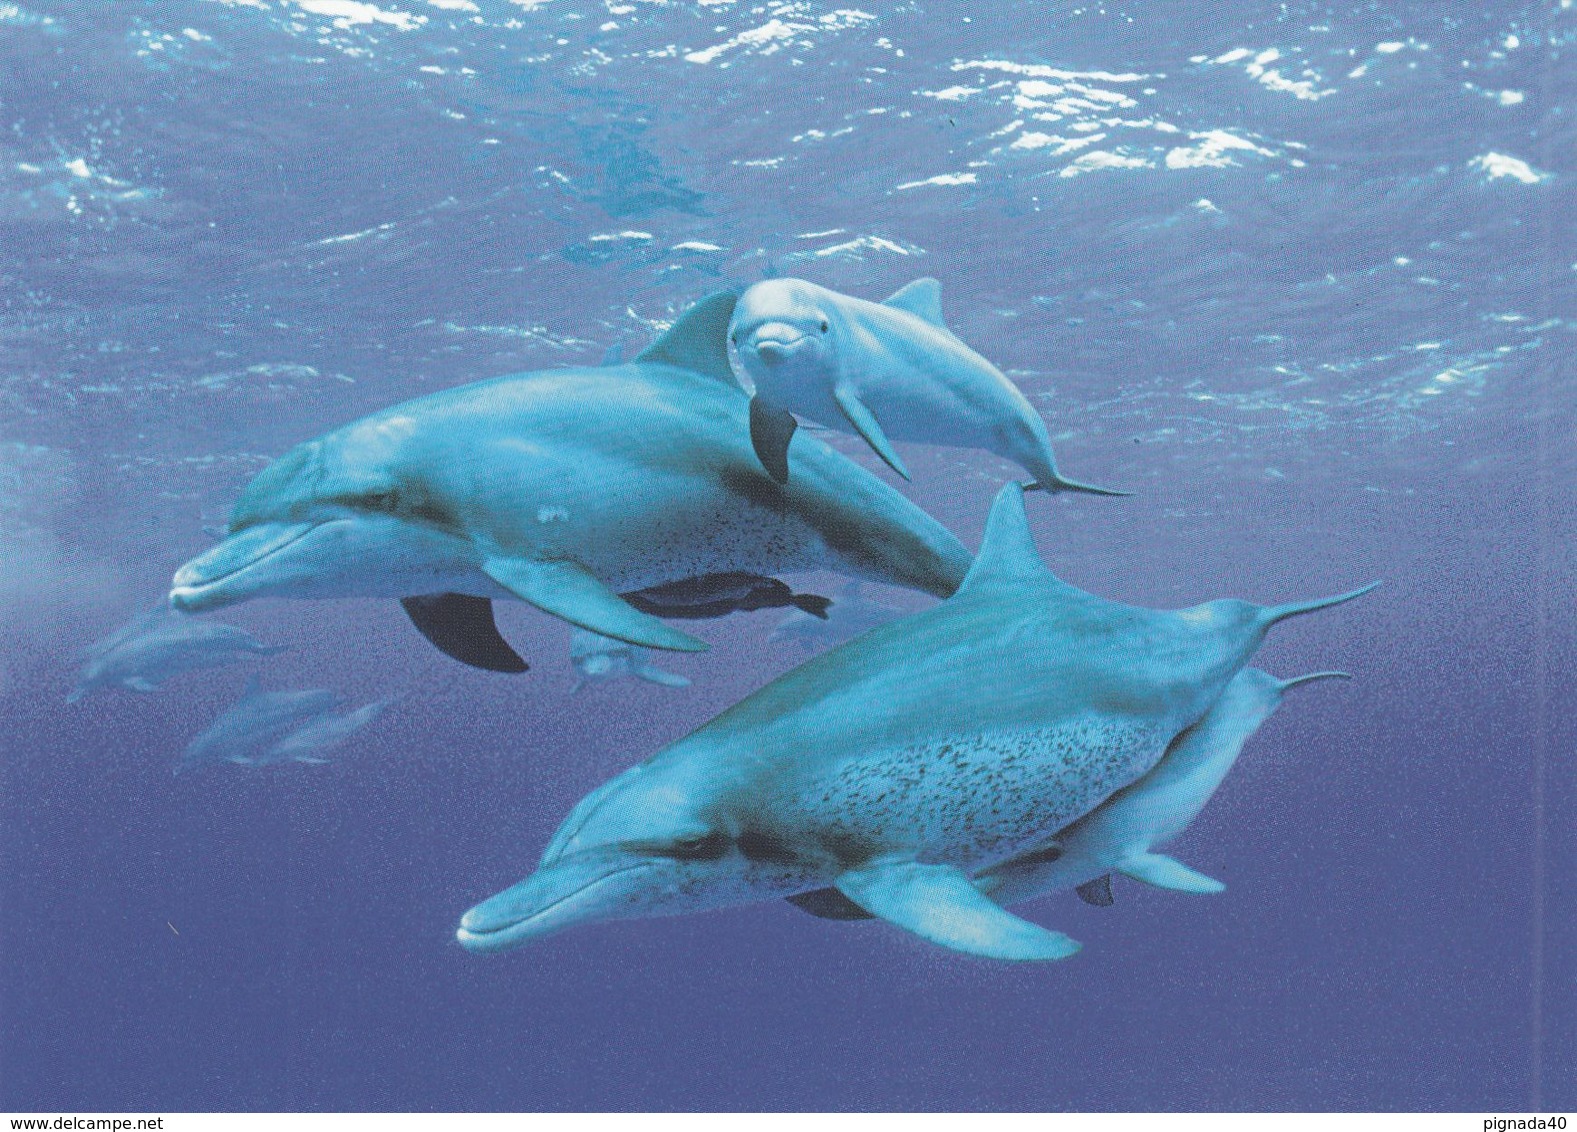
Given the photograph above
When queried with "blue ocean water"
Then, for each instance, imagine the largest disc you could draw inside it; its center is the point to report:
(1301, 276)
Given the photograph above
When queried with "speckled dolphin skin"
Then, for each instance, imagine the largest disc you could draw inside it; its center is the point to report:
(895, 766)
(882, 371)
(1122, 833)
(561, 488)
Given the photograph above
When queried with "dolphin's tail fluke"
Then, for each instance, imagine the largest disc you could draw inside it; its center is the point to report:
(1271, 614)
(813, 604)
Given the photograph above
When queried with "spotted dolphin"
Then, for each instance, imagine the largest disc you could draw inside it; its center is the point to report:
(1121, 834)
(563, 489)
(894, 767)
(883, 371)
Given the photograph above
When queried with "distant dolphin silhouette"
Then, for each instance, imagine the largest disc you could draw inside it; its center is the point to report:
(895, 766)
(264, 728)
(151, 648)
(883, 371)
(561, 488)
(597, 657)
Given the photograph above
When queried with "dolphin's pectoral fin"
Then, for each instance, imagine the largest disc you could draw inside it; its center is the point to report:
(938, 903)
(698, 339)
(1168, 872)
(922, 298)
(1097, 892)
(865, 424)
(462, 626)
(567, 589)
(657, 676)
(771, 429)
(828, 904)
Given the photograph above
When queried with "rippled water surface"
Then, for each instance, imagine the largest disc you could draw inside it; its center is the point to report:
(1301, 276)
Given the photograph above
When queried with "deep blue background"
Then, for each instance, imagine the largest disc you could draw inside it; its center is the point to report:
(1309, 325)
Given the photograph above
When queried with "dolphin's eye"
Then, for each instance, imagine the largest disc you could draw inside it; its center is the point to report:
(734, 337)
(702, 847)
(824, 326)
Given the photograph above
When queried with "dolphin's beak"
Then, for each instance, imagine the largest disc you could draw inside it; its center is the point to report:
(775, 342)
(217, 577)
(596, 885)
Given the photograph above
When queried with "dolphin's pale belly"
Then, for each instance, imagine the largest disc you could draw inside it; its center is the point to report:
(973, 799)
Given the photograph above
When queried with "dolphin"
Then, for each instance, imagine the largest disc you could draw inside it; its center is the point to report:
(895, 766)
(597, 657)
(151, 648)
(717, 595)
(1120, 835)
(883, 371)
(310, 742)
(263, 728)
(254, 723)
(561, 488)
(848, 615)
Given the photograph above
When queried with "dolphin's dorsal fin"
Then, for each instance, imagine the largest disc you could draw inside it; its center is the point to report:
(698, 340)
(1007, 551)
(922, 298)
(938, 903)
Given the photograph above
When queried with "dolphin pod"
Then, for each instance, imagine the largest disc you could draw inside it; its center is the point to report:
(269, 728)
(883, 371)
(561, 488)
(894, 767)
(1020, 737)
